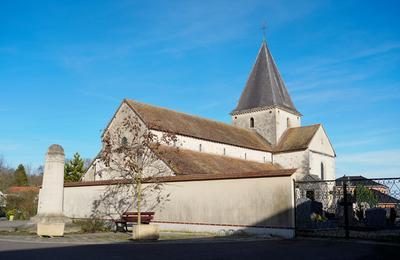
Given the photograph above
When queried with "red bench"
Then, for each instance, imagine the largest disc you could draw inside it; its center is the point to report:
(132, 217)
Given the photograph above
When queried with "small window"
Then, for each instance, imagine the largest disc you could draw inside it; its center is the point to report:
(264, 159)
(252, 122)
(124, 141)
(245, 155)
(322, 172)
(200, 148)
(287, 122)
(224, 151)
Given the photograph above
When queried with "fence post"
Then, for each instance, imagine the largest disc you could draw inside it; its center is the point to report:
(294, 205)
(346, 210)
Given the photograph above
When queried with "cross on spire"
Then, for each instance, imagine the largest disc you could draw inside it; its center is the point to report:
(263, 28)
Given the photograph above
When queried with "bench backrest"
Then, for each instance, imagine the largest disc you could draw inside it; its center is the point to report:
(135, 214)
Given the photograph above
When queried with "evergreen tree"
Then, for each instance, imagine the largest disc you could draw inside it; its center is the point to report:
(74, 169)
(20, 178)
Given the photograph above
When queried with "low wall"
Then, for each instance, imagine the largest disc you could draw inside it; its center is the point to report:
(255, 205)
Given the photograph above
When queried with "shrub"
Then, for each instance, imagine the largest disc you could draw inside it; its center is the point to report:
(92, 225)
(23, 204)
(10, 213)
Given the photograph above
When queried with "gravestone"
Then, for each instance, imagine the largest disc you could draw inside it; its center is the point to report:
(50, 218)
(304, 210)
(375, 217)
(340, 209)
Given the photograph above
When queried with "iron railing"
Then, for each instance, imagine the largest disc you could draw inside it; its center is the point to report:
(348, 207)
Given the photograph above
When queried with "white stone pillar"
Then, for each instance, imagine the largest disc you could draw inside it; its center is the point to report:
(51, 197)
(50, 218)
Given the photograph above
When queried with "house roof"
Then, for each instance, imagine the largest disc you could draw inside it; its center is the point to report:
(188, 162)
(296, 138)
(265, 86)
(167, 120)
(16, 189)
(355, 180)
(384, 198)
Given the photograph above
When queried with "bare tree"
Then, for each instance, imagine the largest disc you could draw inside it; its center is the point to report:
(131, 156)
(6, 175)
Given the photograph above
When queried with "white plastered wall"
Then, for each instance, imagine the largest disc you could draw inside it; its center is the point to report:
(193, 144)
(249, 202)
(329, 165)
(321, 151)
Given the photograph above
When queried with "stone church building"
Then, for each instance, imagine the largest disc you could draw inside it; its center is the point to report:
(228, 176)
(266, 127)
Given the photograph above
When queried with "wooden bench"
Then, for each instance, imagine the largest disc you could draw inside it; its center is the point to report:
(132, 217)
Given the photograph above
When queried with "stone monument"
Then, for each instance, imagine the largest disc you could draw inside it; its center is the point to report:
(50, 218)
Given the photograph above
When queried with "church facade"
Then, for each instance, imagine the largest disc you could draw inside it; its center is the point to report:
(226, 176)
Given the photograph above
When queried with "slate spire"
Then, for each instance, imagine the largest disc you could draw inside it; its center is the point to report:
(265, 87)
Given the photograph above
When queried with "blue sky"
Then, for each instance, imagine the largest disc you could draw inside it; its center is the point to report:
(66, 65)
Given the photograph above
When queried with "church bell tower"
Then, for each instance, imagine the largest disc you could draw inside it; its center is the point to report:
(265, 105)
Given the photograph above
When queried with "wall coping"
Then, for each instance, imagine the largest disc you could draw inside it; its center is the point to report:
(184, 178)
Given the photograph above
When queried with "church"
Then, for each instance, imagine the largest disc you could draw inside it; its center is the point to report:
(228, 176)
(266, 128)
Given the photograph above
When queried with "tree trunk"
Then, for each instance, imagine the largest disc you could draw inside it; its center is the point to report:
(138, 203)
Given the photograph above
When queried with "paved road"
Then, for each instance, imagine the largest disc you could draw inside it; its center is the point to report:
(257, 249)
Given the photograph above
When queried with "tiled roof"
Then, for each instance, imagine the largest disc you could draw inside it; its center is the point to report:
(167, 120)
(265, 86)
(188, 162)
(355, 180)
(16, 189)
(296, 138)
(384, 198)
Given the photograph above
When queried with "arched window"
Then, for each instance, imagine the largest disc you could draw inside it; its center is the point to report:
(200, 148)
(251, 122)
(224, 151)
(322, 171)
(124, 141)
(245, 156)
(287, 122)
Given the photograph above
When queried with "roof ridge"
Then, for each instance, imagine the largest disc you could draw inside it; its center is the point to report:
(191, 115)
(225, 133)
(303, 126)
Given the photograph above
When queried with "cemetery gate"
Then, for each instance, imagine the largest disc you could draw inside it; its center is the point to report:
(348, 207)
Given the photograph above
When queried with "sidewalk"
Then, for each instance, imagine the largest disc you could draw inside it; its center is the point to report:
(111, 237)
(11, 226)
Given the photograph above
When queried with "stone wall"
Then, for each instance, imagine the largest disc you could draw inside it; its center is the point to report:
(282, 119)
(269, 123)
(264, 123)
(296, 159)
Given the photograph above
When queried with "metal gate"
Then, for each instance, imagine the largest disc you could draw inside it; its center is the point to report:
(348, 207)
